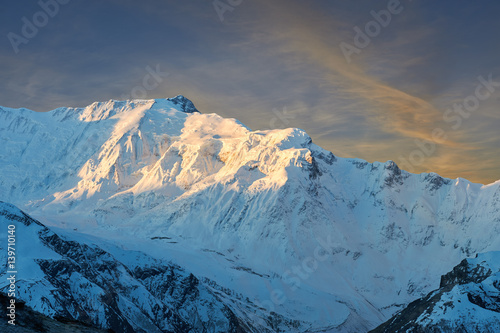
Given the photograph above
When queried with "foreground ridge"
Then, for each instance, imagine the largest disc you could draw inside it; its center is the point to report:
(468, 300)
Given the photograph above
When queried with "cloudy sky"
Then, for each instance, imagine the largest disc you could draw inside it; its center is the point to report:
(417, 82)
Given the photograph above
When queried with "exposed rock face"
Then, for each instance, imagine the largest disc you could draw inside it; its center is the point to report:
(30, 321)
(88, 286)
(184, 104)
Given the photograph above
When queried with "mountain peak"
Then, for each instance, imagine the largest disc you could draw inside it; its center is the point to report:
(185, 104)
(113, 108)
(180, 102)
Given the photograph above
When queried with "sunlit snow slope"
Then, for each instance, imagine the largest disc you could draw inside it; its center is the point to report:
(338, 244)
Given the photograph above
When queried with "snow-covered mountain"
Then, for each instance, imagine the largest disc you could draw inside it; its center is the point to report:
(322, 242)
(125, 291)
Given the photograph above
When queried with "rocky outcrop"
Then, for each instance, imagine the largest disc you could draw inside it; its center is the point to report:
(468, 300)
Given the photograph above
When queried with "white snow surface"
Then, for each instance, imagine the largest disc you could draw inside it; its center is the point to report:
(338, 243)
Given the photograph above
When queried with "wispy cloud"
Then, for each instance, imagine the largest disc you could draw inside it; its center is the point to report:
(273, 55)
(295, 34)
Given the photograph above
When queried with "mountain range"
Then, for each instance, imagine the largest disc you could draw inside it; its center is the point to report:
(150, 216)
